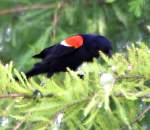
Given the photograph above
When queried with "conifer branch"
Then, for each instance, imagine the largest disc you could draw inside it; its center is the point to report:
(13, 95)
(147, 95)
(18, 125)
(20, 8)
(66, 107)
(141, 115)
(56, 18)
(130, 77)
(138, 118)
(17, 95)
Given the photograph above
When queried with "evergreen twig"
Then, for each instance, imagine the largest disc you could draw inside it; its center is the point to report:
(19, 9)
(16, 95)
(138, 118)
(18, 125)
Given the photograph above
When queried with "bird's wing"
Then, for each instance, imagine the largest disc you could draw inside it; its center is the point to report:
(65, 47)
(54, 52)
(44, 53)
(58, 52)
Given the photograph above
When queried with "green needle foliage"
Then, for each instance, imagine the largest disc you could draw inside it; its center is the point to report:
(114, 94)
(67, 102)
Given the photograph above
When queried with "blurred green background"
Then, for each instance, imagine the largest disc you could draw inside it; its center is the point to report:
(28, 26)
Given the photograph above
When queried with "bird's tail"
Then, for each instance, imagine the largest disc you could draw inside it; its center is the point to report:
(37, 69)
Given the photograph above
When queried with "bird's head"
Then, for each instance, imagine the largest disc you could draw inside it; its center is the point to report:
(96, 43)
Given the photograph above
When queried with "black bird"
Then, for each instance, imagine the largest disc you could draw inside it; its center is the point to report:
(71, 52)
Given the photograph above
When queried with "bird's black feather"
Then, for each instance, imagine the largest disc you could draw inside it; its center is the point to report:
(44, 53)
(58, 57)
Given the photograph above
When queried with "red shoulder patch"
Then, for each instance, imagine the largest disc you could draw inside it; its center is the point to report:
(74, 41)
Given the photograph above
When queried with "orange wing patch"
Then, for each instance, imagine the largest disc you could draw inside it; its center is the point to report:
(74, 41)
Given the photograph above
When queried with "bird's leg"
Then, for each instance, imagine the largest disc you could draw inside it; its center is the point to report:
(80, 72)
(81, 76)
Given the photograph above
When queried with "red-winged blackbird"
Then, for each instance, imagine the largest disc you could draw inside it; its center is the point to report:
(71, 52)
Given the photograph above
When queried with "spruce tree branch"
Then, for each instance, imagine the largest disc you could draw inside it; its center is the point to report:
(20, 8)
(17, 95)
(130, 77)
(12, 95)
(18, 125)
(56, 18)
(65, 108)
(138, 118)
(141, 115)
(147, 95)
